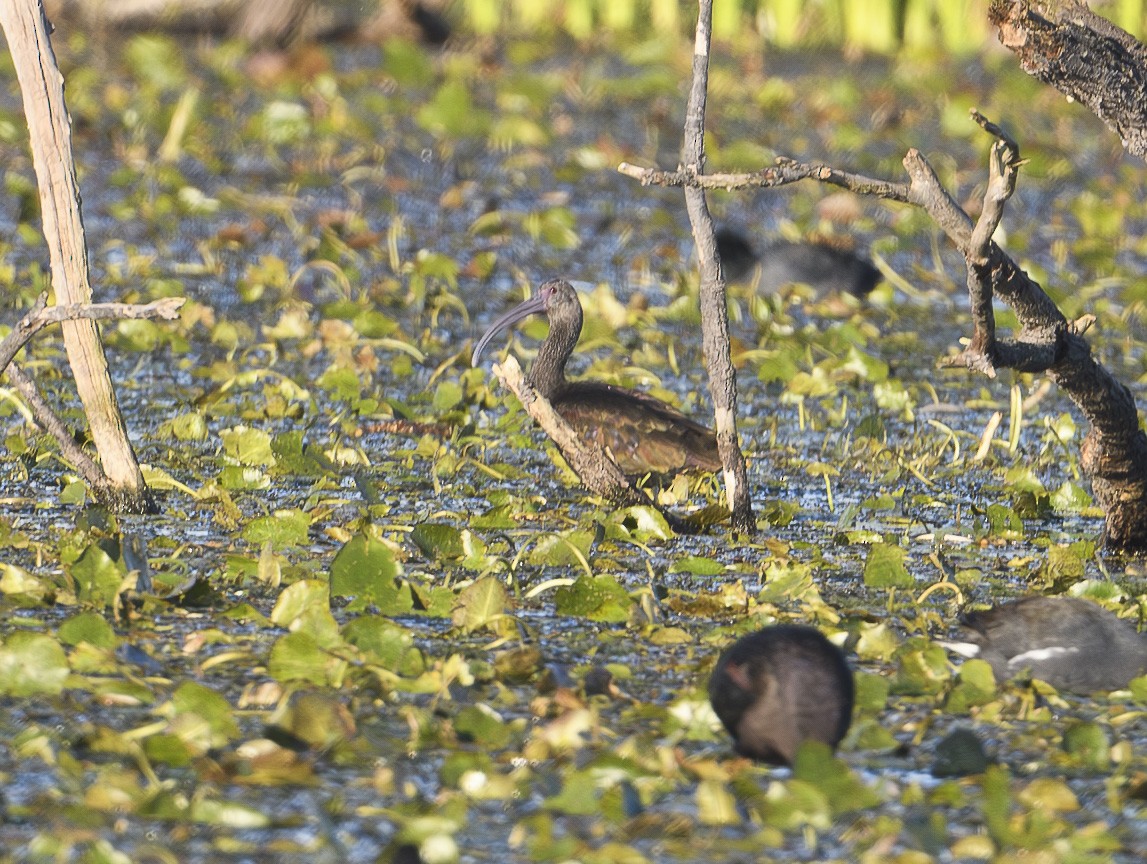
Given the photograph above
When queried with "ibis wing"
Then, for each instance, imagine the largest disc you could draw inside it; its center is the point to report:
(643, 433)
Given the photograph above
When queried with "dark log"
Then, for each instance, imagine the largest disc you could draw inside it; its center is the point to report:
(1086, 57)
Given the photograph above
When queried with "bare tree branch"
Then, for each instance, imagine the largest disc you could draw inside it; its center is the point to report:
(50, 134)
(50, 421)
(714, 304)
(41, 315)
(1114, 452)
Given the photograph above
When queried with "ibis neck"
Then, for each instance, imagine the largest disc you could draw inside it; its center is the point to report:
(548, 374)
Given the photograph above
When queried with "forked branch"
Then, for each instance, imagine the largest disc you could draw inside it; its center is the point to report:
(1114, 452)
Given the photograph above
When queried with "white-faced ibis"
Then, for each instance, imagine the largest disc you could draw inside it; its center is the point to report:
(825, 268)
(643, 434)
(780, 686)
(1070, 643)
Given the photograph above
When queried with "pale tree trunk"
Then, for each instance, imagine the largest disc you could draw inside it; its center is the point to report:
(714, 309)
(50, 130)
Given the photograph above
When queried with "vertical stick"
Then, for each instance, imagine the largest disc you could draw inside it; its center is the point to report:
(714, 311)
(50, 130)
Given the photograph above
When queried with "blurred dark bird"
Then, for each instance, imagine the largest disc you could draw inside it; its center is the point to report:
(780, 686)
(825, 268)
(1070, 643)
(644, 435)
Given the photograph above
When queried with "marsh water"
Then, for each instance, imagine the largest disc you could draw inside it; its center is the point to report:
(344, 227)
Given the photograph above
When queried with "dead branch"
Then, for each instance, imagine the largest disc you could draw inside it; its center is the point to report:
(785, 171)
(593, 466)
(714, 303)
(1086, 57)
(1114, 452)
(50, 133)
(41, 315)
(49, 420)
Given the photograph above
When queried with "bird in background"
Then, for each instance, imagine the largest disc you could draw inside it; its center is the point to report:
(1071, 643)
(825, 268)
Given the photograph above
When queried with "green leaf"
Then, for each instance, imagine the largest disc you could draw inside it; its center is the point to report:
(598, 598)
(99, 578)
(214, 722)
(641, 523)
(1005, 522)
(281, 529)
(238, 477)
(884, 567)
(32, 664)
(482, 725)
(438, 542)
(845, 792)
(190, 426)
(716, 804)
(446, 396)
(88, 627)
(365, 569)
(1088, 744)
(299, 599)
(299, 657)
(451, 113)
(292, 456)
(923, 668)
(871, 692)
(382, 640)
(578, 796)
(698, 566)
(481, 604)
(248, 446)
(976, 685)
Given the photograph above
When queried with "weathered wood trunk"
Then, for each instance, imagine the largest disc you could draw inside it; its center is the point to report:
(50, 130)
(262, 22)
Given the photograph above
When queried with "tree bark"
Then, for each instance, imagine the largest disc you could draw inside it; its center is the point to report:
(1086, 57)
(49, 127)
(714, 304)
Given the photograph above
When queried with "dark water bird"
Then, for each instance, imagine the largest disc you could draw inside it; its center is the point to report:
(825, 268)
(643, 434)
(1070, 643)
(780, 686)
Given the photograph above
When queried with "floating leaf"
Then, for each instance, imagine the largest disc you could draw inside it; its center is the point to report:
(99, 578)
(598, 598)
(884, 567)
(438, 542)
(31, 664)
(976, 685)
(281, 529)
(299, 657)
(716, 804)
(482, 604)
(248, 446)
(382, 640)
(697, 566)
(482, 725)
(88, 627)
(365, 569)
(1089, 744)
(578, 796)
